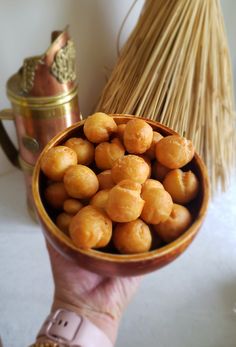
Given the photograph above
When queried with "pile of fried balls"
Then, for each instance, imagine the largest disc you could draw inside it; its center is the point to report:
(120, 184)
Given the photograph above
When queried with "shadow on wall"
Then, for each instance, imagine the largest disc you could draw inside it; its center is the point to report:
(93, 30)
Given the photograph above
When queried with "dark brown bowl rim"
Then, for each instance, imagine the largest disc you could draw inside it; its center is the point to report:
(110, 257)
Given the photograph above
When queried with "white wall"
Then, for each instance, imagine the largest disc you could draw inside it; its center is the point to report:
(25, 27)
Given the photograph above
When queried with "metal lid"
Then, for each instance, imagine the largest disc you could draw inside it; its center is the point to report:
(50, 74)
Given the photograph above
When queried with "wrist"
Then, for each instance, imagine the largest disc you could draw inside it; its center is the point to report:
(108, 324)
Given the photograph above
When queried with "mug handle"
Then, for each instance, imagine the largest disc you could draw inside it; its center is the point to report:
(6, 143)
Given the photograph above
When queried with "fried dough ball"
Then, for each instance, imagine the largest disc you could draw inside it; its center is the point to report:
(56, 194)
(90, 228)
(117, 141)
(182, 186)
(130, 184)
(151, 152)
(80, 182)
(105, 239)
(176, 224)
(107, 153)
(120, 131)
(56, 161)
(151, 184)
(124, 203)
(105, 180)
(72, 206)
(100, 199)
(159, 171)
(98, 127)
(83, 148)
(148, 161)
(132, 237)
(63, 221)
(174, 151)
(130, 167)
(138, 136)
(158, 205)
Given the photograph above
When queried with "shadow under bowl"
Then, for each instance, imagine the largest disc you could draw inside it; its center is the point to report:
(111, 264)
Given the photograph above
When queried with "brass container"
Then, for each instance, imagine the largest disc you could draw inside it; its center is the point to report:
(44, 101)
(37, 120)
(110, 264)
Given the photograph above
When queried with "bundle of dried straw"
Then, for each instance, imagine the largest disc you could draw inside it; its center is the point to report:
(175, 68)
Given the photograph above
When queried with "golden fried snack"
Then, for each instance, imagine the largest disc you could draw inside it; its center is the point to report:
(56, 194)
(105, 180)
(176, 224)
(151, 184)
(132, 237)
(158, 205)
(124, 203)
(72, 206)
(138, 136)
(130, 184)
(83, 148)
(174, 151)
(80, 182)
(90, 228)
(107, 153)
(63, 221)
(120, 131)
(100, 199)
(106, 237)
(98, 127)
(130, 167)
(182, 186)
(117, 141)
(148, 161)
(159, 171)
(56, 161)
(151, 152)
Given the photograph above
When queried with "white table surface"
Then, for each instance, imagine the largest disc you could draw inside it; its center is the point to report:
(189, 303)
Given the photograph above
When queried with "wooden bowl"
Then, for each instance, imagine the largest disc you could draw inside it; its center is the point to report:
(109, 264)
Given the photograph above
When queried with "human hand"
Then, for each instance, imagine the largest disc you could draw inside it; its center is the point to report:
(101, 299)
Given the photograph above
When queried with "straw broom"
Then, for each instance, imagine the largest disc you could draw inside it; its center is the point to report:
(175, 68)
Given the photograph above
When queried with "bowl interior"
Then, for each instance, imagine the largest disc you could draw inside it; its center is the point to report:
(46, 215)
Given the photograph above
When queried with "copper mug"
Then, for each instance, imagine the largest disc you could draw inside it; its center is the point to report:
(37, 120)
